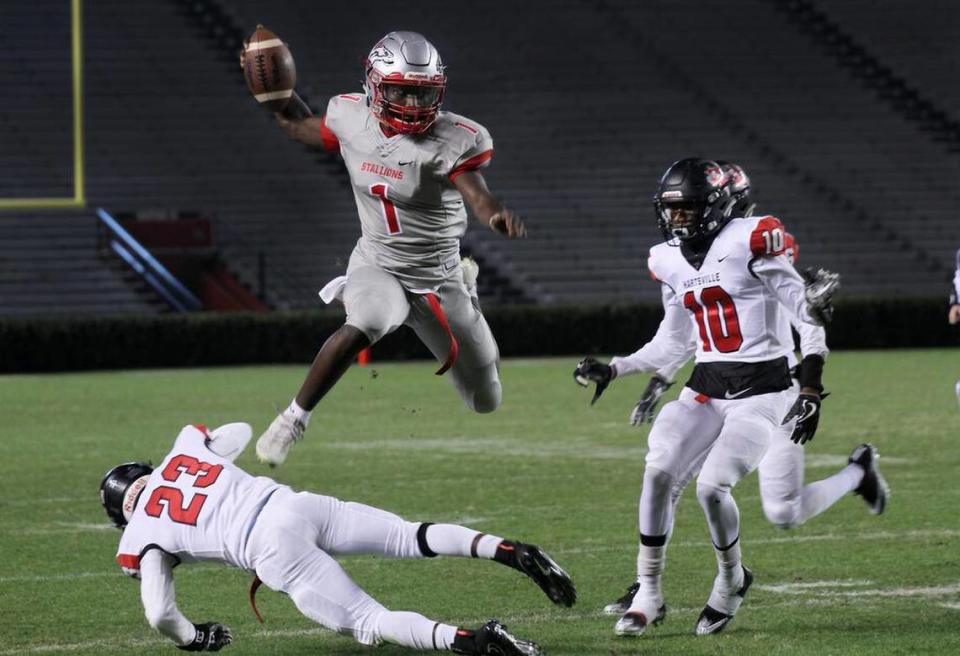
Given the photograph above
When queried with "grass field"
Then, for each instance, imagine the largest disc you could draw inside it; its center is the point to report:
(545, 468)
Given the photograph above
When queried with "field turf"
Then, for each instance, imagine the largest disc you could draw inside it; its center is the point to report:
(546, 468)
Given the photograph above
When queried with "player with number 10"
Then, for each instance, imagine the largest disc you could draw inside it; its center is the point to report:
(725, 282)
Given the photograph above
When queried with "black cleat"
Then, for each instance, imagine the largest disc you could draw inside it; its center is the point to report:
(545, 572)
(712, 621)
(493, 639)
(622, 605)
(873, 488)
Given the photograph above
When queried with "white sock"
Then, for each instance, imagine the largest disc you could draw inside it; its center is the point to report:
(650, 565)
(415, 630)
(453, 540)
(729, 579)
(295, 412)
(820, 495)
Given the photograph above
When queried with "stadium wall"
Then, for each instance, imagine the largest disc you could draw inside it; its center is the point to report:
(208, 339)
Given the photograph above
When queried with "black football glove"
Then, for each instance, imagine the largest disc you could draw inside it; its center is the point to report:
(211, 636)
(647, 405)
(820, 286)
(806, 410)
(591, 371)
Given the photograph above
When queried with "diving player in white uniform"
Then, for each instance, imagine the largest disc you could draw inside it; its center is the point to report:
(725, 284)
(414, 170)
(199, 506)
(786, 501)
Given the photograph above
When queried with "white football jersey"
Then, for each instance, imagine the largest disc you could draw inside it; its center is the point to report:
(196, 506)
(736, 300)
(411, 214)
(956, 280)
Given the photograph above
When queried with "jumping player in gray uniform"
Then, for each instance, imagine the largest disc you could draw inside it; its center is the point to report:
(414, 169)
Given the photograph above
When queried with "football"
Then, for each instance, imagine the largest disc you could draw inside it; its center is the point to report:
(269, 69)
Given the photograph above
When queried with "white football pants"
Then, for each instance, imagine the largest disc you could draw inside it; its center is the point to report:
(291, 548)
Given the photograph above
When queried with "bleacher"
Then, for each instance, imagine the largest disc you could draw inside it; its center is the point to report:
(588, 102)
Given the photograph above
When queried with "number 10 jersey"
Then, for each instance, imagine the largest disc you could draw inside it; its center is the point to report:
(734, 301)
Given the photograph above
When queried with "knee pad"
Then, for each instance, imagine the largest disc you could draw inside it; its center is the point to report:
(782, 514)
(709, 494)
(487, 397)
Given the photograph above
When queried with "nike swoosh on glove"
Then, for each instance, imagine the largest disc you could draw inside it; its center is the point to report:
(806, 410)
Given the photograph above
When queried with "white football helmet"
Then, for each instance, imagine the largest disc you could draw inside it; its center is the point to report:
(404, 82)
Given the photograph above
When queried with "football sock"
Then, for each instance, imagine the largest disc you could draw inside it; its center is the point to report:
(464, 642)
(729, 578)
(651, 560)
(295, 412)
(820, 495)
(453, 540)
(415, 630)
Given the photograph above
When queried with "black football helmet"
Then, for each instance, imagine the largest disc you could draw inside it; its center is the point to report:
(120, 489)
(740, 191)
(693, 200)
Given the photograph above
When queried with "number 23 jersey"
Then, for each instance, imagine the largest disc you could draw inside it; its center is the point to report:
(735, 299)
(196, 506)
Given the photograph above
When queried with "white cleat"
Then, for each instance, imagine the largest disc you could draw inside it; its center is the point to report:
(635, 621)
(274, 445)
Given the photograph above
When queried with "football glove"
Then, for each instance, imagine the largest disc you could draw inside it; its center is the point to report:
(647, 405)
(211, 636)
(591, 371)
(806, 410)
(820, 286)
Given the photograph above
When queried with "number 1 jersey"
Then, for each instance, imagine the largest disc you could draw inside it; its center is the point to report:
(196, 506)
(411, 214)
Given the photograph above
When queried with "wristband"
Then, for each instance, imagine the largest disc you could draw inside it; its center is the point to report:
(811, 372)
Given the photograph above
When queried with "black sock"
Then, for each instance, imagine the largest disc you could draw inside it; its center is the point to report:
(464, 642)
(507, 554)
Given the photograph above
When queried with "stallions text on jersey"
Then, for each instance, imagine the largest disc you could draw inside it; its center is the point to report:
(411, 214)
(734, 300)
(196, 506)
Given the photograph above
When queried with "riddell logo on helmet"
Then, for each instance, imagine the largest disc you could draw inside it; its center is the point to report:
(133, 492)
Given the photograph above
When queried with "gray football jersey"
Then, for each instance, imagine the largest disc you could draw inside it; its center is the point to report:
(411, 214)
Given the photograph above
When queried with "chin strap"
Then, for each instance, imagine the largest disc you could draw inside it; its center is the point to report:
(438, 312)
(254, 585)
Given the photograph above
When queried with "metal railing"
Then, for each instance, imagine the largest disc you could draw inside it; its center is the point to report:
(115, 238)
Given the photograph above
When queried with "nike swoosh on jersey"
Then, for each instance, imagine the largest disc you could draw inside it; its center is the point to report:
(405, 163)
(728, 395)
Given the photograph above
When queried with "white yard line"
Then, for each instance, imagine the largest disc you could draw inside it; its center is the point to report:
(789, 539)
(151, 642)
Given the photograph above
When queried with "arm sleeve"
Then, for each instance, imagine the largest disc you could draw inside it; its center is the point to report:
(669, 349)
(813, 340)
(159, 598)
(779, 276)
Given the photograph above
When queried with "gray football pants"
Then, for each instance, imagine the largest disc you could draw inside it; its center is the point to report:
(377, 304)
